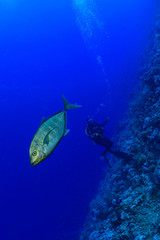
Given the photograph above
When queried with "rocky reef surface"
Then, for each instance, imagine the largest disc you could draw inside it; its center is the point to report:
(127, 205)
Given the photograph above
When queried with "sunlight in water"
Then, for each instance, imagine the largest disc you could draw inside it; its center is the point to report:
(87, 20)
(90, 26)
(8, 3)
(92, 30)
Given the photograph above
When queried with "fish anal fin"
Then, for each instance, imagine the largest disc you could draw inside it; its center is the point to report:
(66, 132)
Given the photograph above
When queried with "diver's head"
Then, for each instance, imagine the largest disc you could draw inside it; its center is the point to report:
(90, 122)
(36, 156)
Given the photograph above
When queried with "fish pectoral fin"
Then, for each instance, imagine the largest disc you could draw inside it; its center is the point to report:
(43, 120)
(66, 132)
(46, 140)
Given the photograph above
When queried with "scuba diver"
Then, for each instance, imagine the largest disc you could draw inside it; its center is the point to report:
(95, 132)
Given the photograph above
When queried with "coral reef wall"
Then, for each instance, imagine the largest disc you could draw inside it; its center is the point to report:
(128, 202)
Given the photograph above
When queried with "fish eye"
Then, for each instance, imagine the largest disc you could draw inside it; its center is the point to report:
(34, 153)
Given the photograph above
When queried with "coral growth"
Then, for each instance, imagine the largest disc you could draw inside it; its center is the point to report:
(128, 203)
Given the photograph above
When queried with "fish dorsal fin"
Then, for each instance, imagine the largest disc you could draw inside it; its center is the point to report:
(43, 120)
(66, 132)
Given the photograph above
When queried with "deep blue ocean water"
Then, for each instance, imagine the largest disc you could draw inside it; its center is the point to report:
(44, 53)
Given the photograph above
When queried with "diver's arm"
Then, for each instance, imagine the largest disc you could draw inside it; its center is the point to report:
(86, 131)
(103, 124)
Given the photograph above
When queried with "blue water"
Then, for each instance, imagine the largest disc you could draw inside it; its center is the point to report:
(44, 54)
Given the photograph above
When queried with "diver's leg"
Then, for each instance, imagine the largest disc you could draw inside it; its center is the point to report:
(107, 161)
(104, 156)
(122, 155)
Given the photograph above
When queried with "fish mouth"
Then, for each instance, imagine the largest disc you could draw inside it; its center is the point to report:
(34, 163)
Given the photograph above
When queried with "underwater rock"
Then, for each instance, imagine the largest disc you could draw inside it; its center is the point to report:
(114, 202)
(127, 206)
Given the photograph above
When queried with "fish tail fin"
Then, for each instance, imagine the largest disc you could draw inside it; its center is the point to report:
(68, 105)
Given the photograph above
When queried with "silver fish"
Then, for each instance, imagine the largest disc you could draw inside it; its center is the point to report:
(49, 134)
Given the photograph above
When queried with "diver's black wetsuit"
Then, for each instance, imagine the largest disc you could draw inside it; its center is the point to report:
(96, 134)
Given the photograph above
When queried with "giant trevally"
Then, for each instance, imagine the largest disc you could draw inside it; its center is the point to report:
(49, 134)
